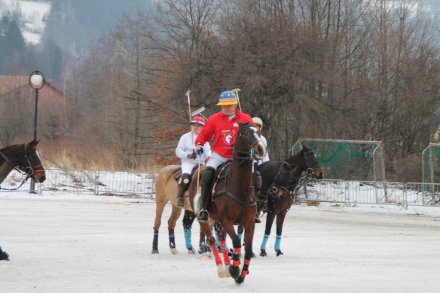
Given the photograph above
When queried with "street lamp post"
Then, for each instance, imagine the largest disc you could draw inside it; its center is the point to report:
(36, 81)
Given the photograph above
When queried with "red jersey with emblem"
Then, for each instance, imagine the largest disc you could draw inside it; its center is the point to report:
(222, 132)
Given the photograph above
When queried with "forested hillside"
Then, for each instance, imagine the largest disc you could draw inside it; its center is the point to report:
(350, 69)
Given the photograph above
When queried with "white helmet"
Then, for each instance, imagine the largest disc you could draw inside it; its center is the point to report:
(258, 121)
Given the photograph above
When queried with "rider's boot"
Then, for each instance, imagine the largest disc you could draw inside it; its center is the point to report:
(205, 184)
(183, 186)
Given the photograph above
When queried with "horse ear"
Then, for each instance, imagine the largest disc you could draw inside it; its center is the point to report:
(34, 143)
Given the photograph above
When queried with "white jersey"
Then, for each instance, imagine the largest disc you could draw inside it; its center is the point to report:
(186, 146)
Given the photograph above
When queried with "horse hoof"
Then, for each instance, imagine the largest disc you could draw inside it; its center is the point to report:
(239, 280)
(204, 249)
(227, 274)
(154, 251)
(191, 251)
(234, 271)
(174, 251)
(279, 252)
(222, 272)
(253, 255)
(263, 253)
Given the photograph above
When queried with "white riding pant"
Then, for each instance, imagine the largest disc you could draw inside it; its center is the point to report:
(187, 167)
(216, 160)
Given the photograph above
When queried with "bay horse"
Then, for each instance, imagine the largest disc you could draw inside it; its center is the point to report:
(234, 203)
(280, 181)
(166, 191)
(25, 159)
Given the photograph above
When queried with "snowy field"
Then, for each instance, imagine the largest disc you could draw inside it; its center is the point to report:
(65, 242)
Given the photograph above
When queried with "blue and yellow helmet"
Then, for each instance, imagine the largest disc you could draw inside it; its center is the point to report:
(227, 98)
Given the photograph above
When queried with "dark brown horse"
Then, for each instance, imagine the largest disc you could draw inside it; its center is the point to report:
(234, 203)
(25, 159)
(281, 181)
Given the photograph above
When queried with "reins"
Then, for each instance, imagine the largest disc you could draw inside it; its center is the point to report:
(240, 157)
(299, 181)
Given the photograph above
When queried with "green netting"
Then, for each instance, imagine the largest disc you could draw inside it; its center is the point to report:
(431, 164)
(348, 160)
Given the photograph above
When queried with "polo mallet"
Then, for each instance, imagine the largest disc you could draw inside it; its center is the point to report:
(236, 90)
(199, 112)
(189, 104)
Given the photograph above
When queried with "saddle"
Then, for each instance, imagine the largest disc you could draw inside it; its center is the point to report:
(177, 172)
(217, 177)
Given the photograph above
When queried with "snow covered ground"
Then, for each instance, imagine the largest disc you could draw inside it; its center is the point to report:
(64, 242)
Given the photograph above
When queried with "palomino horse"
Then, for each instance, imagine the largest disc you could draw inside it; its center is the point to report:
(281, 180)
(25, 159)
(166, 191)
(234, 203)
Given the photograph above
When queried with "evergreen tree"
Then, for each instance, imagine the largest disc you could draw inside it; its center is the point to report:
(12, 45)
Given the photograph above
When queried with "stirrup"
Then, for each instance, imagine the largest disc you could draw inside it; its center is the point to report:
(180, 202)
(203, 216)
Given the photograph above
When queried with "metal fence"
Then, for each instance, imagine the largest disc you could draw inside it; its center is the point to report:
(373, 192)
(97, 182)
(143, 185)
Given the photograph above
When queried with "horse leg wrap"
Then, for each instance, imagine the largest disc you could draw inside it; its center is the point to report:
(171, 238)
(236, 257)
(225, 251)
(155, 240)
(218, 260)
(234, 270)
(245, 270)
(188, 243)
(264, 243)
(278, 243)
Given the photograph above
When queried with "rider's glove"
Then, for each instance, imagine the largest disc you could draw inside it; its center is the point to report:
(199, 149)
(192, 156)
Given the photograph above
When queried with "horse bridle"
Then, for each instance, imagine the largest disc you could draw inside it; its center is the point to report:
(29, 170)
(246, 155)
(292, 190)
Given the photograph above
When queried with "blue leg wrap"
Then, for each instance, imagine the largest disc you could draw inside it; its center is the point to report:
(263, 244)
(188, 238)
(278, 242)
